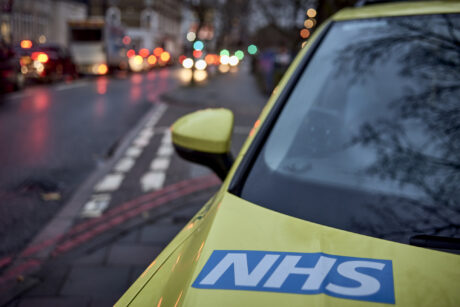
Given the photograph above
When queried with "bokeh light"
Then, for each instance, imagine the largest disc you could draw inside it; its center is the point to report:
(165, 56)
(224, 52)
(158, 51)
(185, 76)
(42, 57)
(311, 13)
(201, 65)
(200, 75)
(252, 49)
(136, 63)
(309, 24)
(198, 45)
(191, 36)
(42, 39)
(130, 53)
(187, 63)
(152, 60)
(304, 33)
(144, 52)
(197, 53)
(233, 60)
(209, 58)
(224, 68)
(26, 44)
(224, 59)
(239, 54)
(126, 40)
(102, 69)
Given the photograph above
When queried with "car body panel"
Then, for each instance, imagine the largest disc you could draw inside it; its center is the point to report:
(237, 225)
(398, 9)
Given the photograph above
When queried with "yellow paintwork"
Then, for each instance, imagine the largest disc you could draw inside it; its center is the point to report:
(399, 9)
(207, 130)
(422, 277)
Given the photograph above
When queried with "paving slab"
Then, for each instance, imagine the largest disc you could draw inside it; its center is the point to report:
(159, 234)
(130, 237)
(97, 257)
(50, 280)
(96, 282)
(132, 254)
(54, 302)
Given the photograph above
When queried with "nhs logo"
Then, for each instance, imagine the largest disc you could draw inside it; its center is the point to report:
(345, 277)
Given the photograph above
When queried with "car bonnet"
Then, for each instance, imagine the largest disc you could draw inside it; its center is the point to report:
(238, 254)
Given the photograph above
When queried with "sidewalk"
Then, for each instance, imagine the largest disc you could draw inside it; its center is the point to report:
(97, 259)
(98, 273)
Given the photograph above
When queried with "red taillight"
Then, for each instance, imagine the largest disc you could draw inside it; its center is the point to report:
(40, 57)
(144, 52)
(158, 51)
(130, 53)
(152, 60)
(43, 58)
(165, 56)
(26, 44)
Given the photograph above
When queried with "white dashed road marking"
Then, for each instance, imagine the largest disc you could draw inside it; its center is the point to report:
(96, 206)
(133, 152)
(165, 150)
(160, 164)
(100, 199)
(154, 179)
(110, 183)
(124, 165)
(141, 141)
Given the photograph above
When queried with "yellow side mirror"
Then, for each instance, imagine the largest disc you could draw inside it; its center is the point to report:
(204, 137)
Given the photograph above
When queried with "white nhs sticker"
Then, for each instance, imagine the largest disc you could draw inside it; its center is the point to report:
(303, 273)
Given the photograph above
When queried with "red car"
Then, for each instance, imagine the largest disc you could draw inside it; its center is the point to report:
(47, 63)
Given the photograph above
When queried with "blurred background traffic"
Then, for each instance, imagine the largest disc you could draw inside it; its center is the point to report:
(61, 40)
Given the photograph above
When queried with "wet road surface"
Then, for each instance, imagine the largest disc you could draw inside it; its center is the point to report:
(53, 136)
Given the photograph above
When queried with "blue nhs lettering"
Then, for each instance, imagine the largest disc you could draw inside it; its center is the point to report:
(303, 273)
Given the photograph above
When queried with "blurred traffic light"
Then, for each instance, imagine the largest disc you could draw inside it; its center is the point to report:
(252, 49)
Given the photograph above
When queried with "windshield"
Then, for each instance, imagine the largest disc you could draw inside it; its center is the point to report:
(86, 35)
(369, 139)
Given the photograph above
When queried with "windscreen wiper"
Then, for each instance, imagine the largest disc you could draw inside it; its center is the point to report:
(435, 242)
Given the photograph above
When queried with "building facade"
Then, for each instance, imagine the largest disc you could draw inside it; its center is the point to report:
(149, 23)
(65, 11)
(25, 19)
(39, 21)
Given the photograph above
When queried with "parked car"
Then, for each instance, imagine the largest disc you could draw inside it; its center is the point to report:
(11, 77)
(47, 63)
(346, 190)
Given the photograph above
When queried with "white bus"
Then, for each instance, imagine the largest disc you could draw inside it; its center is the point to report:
(97, 47)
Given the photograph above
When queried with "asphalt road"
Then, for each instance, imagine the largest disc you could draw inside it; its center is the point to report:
(53, 136)
(130, 207)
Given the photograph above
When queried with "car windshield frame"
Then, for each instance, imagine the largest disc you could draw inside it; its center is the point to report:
(246, 166)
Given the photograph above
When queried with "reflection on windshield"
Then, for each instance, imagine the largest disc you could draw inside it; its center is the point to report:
(369, 140)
